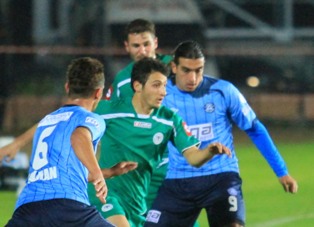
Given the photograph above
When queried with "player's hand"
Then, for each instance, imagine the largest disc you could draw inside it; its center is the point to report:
(101, 188)
(289, 184)
(9, 151)
(218, 148)
(123, 167)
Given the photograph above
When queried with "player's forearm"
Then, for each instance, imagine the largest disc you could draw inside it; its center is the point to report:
(197, 157)
(26, 137)
(107, 173)
(264, 143)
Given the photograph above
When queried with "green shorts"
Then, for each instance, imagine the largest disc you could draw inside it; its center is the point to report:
(114, 206)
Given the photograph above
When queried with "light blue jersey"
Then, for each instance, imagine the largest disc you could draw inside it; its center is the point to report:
(55, 171)
(209, 112)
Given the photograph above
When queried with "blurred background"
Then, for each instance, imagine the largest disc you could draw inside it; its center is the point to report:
(264, 47)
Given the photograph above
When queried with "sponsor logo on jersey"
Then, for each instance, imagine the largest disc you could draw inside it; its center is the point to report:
(153, 216)
(54, 119)
(203, 132)
(92, 121)
(140, 124)
(209, 107)
(106, 207)
(158, 138)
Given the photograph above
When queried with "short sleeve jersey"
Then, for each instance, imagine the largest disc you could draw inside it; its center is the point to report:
(209, 112)
(140, 138)
(121, 85)
(55, 171)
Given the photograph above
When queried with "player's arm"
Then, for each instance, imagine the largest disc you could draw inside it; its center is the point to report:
(81, 142)
(12, 148)
(262, 140)
(119, 169)
(197, 157)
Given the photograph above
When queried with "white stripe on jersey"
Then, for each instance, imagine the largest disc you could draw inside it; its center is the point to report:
(123, 82)
(163, 121)
(117, 115)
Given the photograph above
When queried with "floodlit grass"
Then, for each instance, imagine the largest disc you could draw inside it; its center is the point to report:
(7, 204)
(267, 205)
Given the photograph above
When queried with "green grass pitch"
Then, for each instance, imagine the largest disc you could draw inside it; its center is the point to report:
(267, 205)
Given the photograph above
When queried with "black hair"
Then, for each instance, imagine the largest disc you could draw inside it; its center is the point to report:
(83, 76)
(187, 49)
(139, 26)
(143, 68)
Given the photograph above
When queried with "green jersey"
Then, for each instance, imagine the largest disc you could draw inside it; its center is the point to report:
(141, 138)
(121, 85)
(121, 88)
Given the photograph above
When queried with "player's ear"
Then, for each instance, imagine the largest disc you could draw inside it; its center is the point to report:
(126, 46)
(137, 86)
(66, 87)
(156, 42)
(99, 93)
(173, 67)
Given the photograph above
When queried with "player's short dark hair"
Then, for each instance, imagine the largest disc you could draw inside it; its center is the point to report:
(83, 76)
(188, 49)
(143, 68)
(139, 26)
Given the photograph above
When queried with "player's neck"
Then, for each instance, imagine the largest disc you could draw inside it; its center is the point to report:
(141, 107)
(87, 104)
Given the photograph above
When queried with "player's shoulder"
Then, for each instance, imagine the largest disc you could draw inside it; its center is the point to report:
(164, 58)
(124, 73)
(165, 113)
(217, 83)
(122, 105)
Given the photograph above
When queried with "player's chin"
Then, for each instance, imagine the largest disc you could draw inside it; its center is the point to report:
(158, 104)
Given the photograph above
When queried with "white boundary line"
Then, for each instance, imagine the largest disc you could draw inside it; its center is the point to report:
(284, 220)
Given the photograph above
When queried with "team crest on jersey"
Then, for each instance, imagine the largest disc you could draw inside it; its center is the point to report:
(209, 107)
(186, 128)
(140, 124)
(106, 207)
(158, 138)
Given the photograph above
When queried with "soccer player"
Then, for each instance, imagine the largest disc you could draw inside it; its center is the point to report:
(63, 157)
(138, 129)
(140, 41)
(209, 106)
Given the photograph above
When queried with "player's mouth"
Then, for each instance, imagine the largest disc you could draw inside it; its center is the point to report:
(190, 87)
(159, 101)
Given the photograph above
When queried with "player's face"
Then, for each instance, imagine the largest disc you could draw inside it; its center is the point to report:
(189, 73)
(154, 91)
(140, 45)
